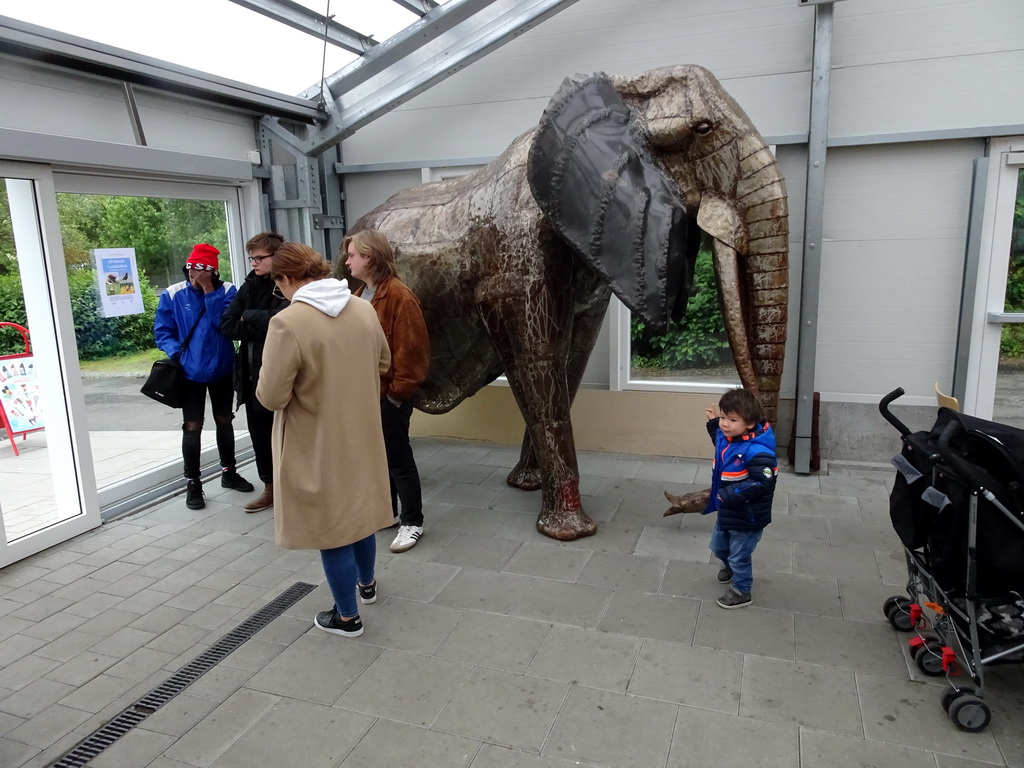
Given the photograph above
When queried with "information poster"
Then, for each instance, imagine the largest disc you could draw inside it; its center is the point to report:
(118, 278)
(19, 394)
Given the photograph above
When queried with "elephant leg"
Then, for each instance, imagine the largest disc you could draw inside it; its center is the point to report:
(585, 329)
(527, 323)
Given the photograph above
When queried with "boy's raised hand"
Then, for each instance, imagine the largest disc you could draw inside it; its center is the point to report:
(712, 412)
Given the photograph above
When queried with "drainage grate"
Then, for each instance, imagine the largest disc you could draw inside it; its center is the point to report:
(106, 735)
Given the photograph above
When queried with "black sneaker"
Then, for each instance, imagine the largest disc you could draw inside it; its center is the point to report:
(231, 479)
(733, 599)
(330, 621)
(194, 495)
(368, 593)
(725, 575)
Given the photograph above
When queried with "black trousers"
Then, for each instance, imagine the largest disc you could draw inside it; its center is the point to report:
(261, 424)
(194, 410)
(405, 477)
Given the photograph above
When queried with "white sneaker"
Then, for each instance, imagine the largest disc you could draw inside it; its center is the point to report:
(407, 537)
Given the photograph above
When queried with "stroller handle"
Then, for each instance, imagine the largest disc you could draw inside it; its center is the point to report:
(883, 408)
(966, 471)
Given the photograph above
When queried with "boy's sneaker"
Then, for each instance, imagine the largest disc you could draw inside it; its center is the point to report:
(330, 621)
(194, 495)
(733, 599)
(407, 537)
(725, 575)
(368, 593)
(231, 479)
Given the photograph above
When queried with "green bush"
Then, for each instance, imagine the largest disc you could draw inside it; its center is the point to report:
(97, 336)
(696, 341)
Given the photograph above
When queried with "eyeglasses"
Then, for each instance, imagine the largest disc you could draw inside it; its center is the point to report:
(200, 267)
(257, 259)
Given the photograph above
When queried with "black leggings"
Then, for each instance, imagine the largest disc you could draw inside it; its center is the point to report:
(193, 411)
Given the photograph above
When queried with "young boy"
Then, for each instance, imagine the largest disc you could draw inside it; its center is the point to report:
(742, 486)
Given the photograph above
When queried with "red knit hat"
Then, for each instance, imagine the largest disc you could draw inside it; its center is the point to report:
(203, 257)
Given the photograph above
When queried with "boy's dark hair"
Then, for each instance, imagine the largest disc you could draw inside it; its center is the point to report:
(266, 241)
(743, 404)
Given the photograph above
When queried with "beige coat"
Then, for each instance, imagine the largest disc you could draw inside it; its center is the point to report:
(321, 375)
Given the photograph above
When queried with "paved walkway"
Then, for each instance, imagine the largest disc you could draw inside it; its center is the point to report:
(491, 646)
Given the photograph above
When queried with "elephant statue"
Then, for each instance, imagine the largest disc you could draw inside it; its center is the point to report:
(514, 264)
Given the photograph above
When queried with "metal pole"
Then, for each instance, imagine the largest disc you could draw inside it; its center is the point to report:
(814, 212)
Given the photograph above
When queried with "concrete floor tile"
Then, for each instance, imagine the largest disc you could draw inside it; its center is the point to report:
(503, 708)
(91, 604)
(49, 726)
(298, 671)
(586, 657)
(128, 586)
(871, 535)
(790, 528)
(136, 748)
(477, 552)
(805, 694)
(141, 663)
(704, 738)
(689, 579)
(97, 693)
(82, 668)
(473, 589)
(212, 737)
(219, 683)
(549, 561)
(35, 697)
(853, 645)
(17, 646)
(946, 761)
(557, 602)
(177, 640)
(831, 507)
(772, 555)
(752, 630)
(862, 601)
(212, 615)
(490, 640)
(657, 616)
(897, 711)
(611, 729)
(15, 754)
(821, 749)
(406, 625)
(390, 743)
(835, 562)
(40, 609)
(9, 722)
(178, 716)
(617, 571)
(892, 564)
(254, 655)
(795, 592)
(123, 642)
(25, 670)
(671, 544)
(610, 537)
(160, 619)
(683, 674)
(405, 687)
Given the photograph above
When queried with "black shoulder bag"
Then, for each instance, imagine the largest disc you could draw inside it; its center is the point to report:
(166, 376)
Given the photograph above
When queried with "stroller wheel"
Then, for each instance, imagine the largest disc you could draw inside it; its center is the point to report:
(899, 617)
(952, 693)
(969, 713)
(928, 658)
(891, 601)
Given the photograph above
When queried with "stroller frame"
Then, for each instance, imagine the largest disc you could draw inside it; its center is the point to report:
(947, 641)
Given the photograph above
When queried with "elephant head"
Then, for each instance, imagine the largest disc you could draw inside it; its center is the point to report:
(629, 170)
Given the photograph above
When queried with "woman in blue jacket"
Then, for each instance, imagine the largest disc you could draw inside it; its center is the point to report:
(200, 301)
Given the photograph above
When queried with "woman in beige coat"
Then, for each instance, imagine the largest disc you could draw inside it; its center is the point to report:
(321, 375)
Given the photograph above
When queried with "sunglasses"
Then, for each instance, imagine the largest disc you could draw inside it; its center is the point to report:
(200, 267)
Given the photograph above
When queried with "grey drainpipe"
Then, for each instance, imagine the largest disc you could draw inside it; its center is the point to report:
(814, 212)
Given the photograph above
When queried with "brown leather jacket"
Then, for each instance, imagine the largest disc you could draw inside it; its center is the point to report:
(402, 320)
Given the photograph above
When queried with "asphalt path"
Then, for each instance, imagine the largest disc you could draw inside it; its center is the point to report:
(115, 404)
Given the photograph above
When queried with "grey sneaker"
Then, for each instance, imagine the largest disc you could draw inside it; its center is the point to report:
(407, 537)
(725, 575)
(733, 599)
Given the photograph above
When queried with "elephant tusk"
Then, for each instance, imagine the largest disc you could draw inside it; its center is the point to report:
(730, 285)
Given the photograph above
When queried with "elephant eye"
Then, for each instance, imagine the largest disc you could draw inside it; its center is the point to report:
(703, 128)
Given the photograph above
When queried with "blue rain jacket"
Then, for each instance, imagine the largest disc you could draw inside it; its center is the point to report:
(743, 478)
(210, 355)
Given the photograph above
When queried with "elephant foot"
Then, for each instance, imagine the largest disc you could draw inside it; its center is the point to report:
(687, 503)
(566, 524)
(523, 477)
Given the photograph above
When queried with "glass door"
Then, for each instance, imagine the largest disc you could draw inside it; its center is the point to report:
(47, 488)
(125, 242)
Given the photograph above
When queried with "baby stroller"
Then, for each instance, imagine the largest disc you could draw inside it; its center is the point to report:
(957, 505)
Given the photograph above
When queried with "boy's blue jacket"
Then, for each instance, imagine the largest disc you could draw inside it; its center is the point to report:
(743, 478)
(210, 356)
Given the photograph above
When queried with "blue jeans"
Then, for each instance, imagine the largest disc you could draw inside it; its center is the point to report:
(734, 549)
(343, 566)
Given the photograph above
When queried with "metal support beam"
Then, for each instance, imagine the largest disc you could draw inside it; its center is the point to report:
(301, 18)
(446, 40)
(49, 47)
(133, 114)
(814, 214)
(419, 7)
(969, 285)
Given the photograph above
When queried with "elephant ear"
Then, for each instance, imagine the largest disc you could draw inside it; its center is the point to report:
(596, 181)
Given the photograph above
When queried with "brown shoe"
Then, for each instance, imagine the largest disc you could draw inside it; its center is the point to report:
(264, 501)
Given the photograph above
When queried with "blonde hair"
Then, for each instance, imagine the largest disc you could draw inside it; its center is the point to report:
(299, 262)
(376, 248)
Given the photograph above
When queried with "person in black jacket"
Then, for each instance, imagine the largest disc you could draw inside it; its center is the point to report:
(246, 320)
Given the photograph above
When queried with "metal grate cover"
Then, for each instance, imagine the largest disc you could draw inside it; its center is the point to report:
(108, 734)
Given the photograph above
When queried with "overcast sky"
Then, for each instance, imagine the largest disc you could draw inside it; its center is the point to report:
(216, 36)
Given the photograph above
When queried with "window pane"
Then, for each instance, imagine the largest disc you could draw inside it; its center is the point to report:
(1008, 406)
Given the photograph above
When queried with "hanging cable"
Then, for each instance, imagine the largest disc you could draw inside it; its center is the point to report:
(323, 61)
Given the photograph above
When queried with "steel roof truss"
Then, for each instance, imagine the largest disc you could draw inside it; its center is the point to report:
(301, 18)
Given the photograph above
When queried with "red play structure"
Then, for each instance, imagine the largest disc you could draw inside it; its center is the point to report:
(19, 393)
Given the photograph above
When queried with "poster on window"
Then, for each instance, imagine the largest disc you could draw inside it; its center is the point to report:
(118, 277)
(19, 394)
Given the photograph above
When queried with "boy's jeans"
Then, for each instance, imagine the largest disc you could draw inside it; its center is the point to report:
(734, 548)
